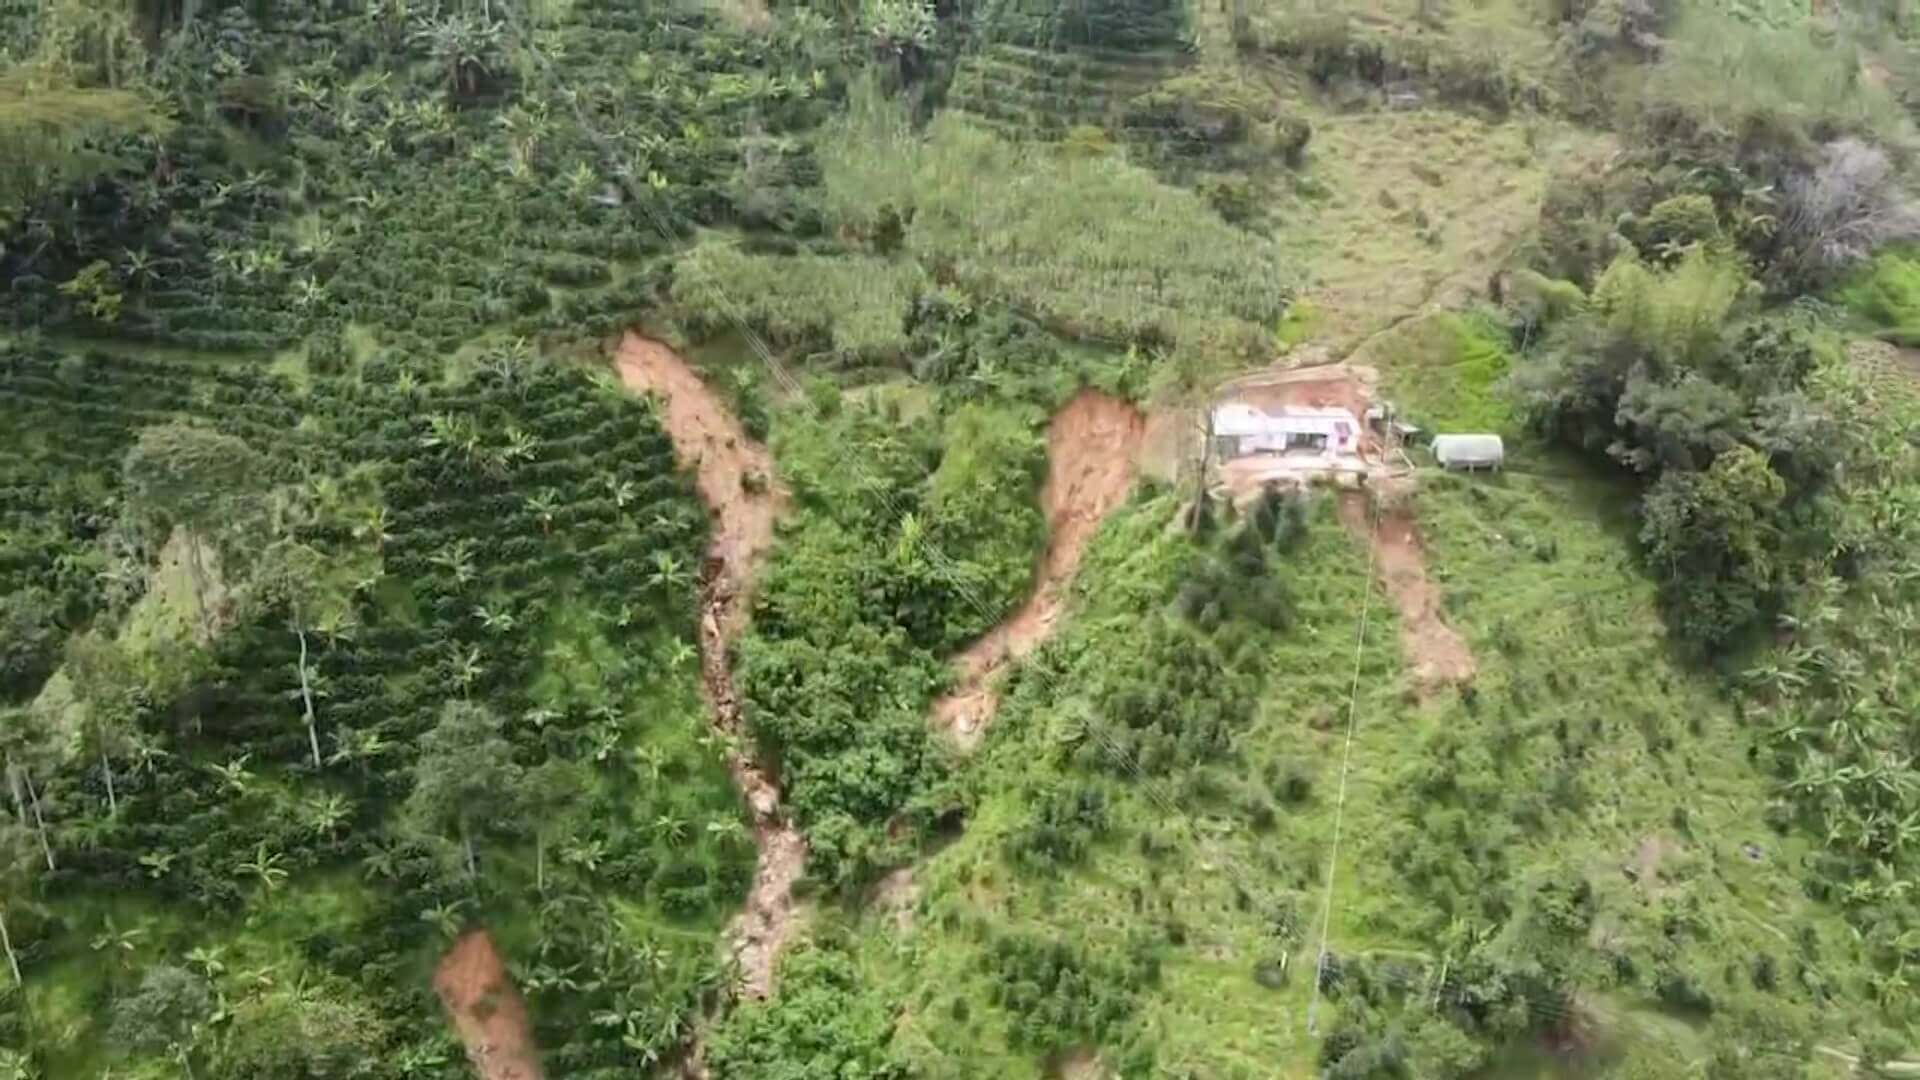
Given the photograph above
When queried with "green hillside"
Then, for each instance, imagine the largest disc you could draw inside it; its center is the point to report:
(579, 538)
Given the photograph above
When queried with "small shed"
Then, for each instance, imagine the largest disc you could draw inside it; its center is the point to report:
(1239, 430)
(1469, 451)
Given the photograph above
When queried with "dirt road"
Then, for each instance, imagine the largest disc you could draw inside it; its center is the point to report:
(1091, 445)
(734, 475)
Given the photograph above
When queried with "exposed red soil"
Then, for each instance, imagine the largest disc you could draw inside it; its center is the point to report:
(1438, 656)
(734, 475)
(1091, 445)
(733, 472)
(487, 1011)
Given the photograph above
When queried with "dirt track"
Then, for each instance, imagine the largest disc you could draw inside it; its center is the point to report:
(487, 1011)
(1091, 445)
(1437, 654)
(735, 478)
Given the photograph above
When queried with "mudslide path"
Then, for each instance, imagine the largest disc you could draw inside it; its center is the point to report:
(1091, 446)
(478, 994)
(734, 475)
(1437, 655)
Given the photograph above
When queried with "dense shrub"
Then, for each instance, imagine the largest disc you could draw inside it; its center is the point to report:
(1739, 425)
(824, 1025)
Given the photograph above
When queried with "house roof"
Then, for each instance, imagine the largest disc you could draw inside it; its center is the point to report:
(1235, 418)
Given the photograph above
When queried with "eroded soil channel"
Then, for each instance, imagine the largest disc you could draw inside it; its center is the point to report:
(1091, 446)
(1436, 653)
(487, 1011)
(734, 475)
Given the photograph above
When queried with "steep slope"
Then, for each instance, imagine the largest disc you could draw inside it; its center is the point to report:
(1091, 445)
(736, 481)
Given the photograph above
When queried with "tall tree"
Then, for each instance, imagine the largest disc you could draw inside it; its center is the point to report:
(295, 576)
(109, 688)
(196, 479)
(552, 791)
(16, 861)
(165, 1015)
(466, 781)
(26, 744)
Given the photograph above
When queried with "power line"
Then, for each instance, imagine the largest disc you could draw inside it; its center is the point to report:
(1346, 760)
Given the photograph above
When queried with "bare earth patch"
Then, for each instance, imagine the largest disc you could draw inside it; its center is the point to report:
(1091, 445)
(1082, 1065)
(487, 1011)
(734, 475)
(1436, 653)
(895, 894)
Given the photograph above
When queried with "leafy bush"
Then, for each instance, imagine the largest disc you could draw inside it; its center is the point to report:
(1063, 826)
(824, 1025)
(1059, 995)
(1886, 295)
(889, 570)
(1740, 426)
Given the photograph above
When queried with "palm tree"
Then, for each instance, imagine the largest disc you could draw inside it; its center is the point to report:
(158, 864)
(457, 559)
(265, 866)
(122, 942)
(337, 625)
(668, 574)
(328, 815)
(445, 917)
(234, 775)
(209, 959)
(520, 445)
(585, 854)
(464, 44)
(381, 864)
(423, 1060)
(545, 505)
(467, 668)
(727, 830)
(680, 654)
(494, 622)
(373, 527)
(671, 829)
(649, 760)
(308, 292)
(548, 977)
(147, 757)
(358, 747)
(606, 740)
(140, 266)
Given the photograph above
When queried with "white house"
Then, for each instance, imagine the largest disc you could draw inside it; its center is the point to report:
(1240, 430)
